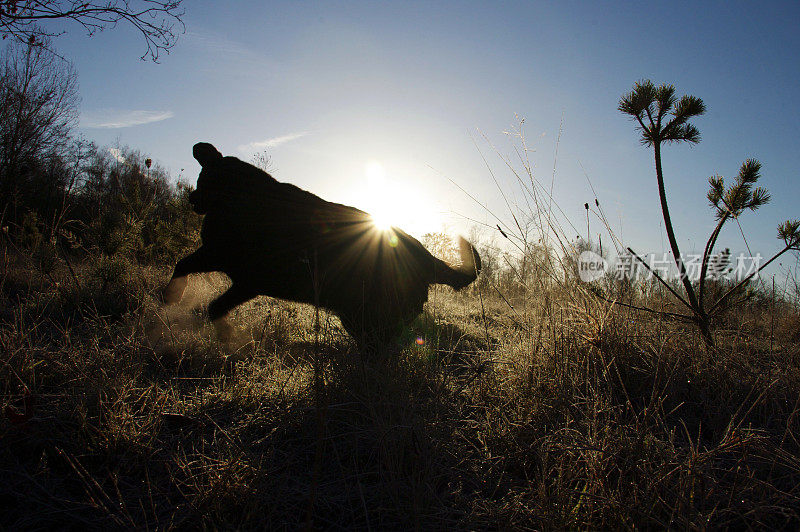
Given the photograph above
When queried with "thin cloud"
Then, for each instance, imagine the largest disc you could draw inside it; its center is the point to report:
(216, 43)
(116, 118)
(271, 143)
(230, 51)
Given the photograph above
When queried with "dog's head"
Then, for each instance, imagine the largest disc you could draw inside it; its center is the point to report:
(208, 157)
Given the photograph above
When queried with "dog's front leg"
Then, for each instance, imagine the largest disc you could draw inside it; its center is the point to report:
(199, 261)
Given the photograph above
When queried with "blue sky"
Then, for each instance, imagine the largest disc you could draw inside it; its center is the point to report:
(334, 90)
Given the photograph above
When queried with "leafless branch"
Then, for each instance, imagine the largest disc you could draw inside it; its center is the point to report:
(159, 22)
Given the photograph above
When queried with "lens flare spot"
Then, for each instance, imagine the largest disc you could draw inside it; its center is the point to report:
(420, 340)
(393, 240)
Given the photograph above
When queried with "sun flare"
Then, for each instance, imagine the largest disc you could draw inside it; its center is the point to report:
(395, 203)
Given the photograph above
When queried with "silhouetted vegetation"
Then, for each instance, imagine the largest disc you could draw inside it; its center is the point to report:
(662, 118)
(61, 191)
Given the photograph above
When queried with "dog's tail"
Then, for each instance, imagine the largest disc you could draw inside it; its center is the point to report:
(463, 274)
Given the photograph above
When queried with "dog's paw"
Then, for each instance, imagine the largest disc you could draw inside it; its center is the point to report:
(173, 292)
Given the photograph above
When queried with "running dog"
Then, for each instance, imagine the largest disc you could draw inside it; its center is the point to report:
(277, 240)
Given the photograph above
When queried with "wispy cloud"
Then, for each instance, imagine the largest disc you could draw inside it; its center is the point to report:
(230, 51)
(119, 118)
(272, 142)
(216, 43)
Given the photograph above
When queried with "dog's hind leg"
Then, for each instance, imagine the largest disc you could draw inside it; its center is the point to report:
(199, 261)
(219, 308)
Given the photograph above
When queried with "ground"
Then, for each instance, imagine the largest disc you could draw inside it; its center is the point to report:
(544, 408)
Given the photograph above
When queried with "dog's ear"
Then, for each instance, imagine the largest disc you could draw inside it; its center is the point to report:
(206, 154)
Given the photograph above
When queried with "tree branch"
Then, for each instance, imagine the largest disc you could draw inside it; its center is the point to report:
(743, 281)
(672, 290)
(663, 313)
(156, 20)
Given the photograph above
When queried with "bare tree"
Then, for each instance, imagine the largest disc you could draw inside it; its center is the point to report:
(262, 160)
(27, 21)
(38, 109)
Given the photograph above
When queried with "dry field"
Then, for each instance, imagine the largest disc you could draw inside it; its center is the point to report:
(545, 409)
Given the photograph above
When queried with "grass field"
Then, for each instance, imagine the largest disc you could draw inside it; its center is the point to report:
(559, 413)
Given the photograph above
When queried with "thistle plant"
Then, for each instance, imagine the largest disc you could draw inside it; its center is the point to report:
(663, 118)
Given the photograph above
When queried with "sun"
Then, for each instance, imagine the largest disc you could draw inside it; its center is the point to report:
(383, 221)
(397, 203)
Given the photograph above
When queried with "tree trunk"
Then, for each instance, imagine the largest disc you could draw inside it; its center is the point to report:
(701, 316)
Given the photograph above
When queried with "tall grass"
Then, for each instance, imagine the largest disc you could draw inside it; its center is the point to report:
(562, 413)
(527, 402)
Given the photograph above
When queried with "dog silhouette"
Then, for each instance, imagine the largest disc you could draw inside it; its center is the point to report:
(278, 240)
